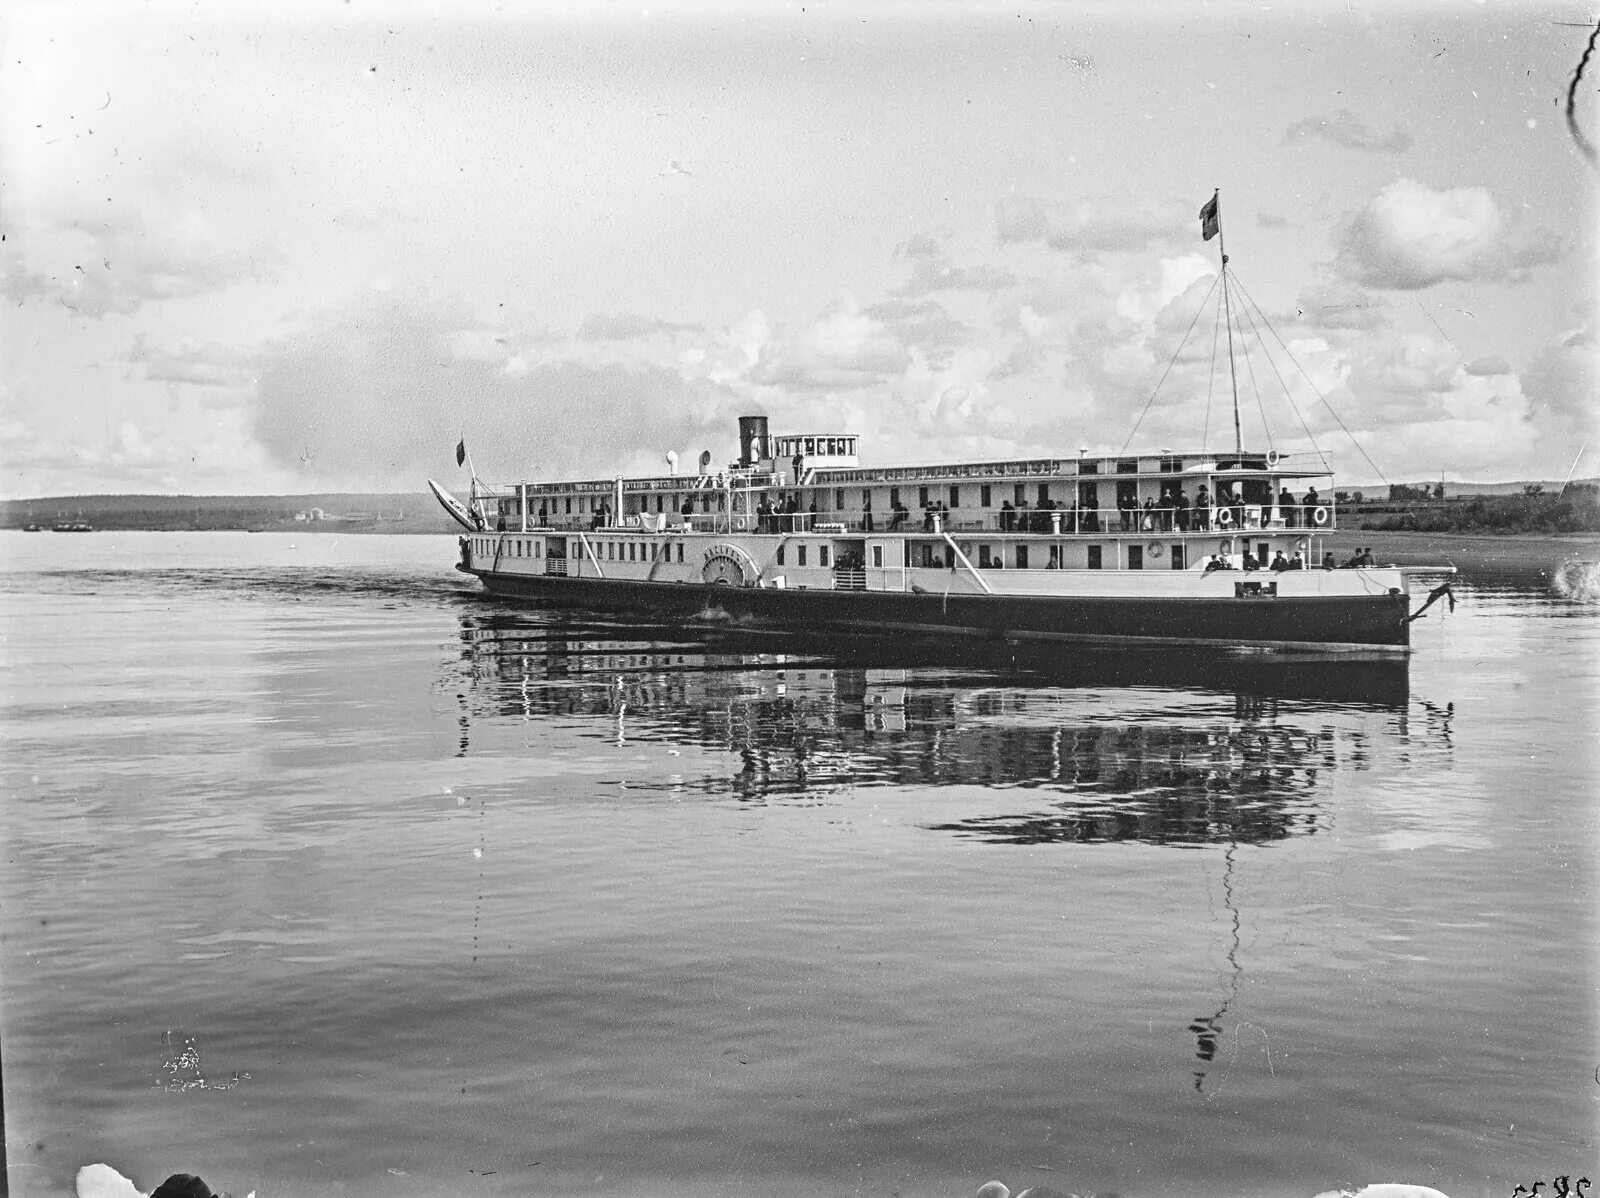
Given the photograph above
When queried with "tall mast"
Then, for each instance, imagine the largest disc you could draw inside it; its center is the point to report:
(1227, 307)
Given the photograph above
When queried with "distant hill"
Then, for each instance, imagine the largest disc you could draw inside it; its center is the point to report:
(328, 511)
(1452, 490)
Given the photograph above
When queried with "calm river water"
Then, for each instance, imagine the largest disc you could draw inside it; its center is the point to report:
(326, 875)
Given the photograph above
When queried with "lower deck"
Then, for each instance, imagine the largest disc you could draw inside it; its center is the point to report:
(973, 588)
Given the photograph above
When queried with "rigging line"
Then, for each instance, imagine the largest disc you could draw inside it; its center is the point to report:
(1168, 370)
(1278, 374)
(1249, 366)
(1332, 411)
(1294, 407)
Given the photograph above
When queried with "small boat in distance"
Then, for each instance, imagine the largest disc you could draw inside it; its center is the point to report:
(74, 526)
(1141, 548)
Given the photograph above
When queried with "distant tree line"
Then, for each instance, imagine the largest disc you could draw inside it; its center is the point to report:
(1575, 509)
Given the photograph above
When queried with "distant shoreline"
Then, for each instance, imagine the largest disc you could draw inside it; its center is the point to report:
(1480, 550)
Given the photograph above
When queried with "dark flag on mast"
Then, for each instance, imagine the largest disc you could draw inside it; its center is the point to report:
(1210, 219)
(461, 451)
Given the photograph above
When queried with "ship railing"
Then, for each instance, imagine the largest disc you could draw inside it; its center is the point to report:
(849, 579)
(556, 565)
(786, 522)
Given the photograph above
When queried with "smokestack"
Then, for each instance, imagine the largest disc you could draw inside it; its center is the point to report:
(753, 440)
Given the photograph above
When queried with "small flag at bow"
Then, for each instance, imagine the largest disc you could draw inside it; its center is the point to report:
(461, 451)
(1210, 219)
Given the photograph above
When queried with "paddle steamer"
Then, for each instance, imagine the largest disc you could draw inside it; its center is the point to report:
(1148, 548)
(1091, 548)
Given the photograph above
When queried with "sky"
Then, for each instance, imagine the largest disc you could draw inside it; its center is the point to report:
(295, 247)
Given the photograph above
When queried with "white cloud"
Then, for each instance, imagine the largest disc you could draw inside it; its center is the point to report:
(1102, 226)
(376, 395)
(1349, 131)
(627, 326)
(1563, 386)
(1410, 237)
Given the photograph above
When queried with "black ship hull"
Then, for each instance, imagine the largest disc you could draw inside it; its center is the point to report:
(1343, 623)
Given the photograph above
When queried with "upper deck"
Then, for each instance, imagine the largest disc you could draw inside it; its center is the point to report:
(822, 486)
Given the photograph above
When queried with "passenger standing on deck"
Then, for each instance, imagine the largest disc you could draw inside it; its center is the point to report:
(866, 510)
(1312, 499)
(1180, 508)
(1236, 502)
(1008, 516)
(1202, 509)
(1286, 506)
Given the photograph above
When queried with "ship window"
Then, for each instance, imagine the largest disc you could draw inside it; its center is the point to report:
(1176, 556)
(1088, 467)
(955, 497)
(538, 550)
(1020, 496)
(984, 495)
(680, 551)
(811, 445)
(611, 551)
(983, 557)
(1022, 557)
(1044, 492)
(894, 498)
(1171, 465)
(1136, 557)
(800, 556)
(822, 555)
(1094, 557)
(780, 555)
(877, 557)
(838, 499)
(833, 447)
(1127, 466)
(927, 554)
(661, 504)
(569, 505)
(922, 496)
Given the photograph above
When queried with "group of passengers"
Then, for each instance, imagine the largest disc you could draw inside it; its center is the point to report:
(1250, 562)
(1049, 516)
(1279, 563)
(1174, 511)
(783, 514)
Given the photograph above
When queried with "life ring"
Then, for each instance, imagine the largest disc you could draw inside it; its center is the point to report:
(1225, 517)
(1153, 549)
(1273, 458)
(1319, 517)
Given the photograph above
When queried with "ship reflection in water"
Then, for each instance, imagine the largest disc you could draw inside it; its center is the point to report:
(1182, 749)
(1188, 750)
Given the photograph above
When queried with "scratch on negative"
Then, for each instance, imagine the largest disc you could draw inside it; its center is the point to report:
(1572, 99)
